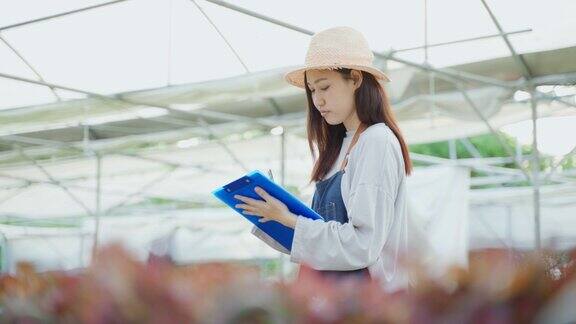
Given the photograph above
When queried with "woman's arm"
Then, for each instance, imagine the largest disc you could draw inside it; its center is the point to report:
(349, 246)
(357, 244)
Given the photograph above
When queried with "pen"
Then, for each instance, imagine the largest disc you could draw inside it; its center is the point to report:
(270, 174)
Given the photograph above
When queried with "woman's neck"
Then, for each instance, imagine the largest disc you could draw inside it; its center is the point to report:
(352, 123)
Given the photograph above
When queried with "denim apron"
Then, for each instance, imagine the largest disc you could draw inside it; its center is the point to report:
(327, 201)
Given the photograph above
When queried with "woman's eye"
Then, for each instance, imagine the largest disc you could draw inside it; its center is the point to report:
(324, 89)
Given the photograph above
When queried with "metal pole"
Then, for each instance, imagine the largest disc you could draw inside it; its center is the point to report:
(25, 61)
(518, 58)
(461, 41)
(142, 189)
(509, 231)
(494, 131)
(535, 172)
(54, 181)
(60, 15)
(116, 98)
(470, 147)
(452, 149)
(559, 163)
(283, 158)
(459, 75)
(5, 262)
(199, 114)
(519, 154)
(283, 183)
(98, 204)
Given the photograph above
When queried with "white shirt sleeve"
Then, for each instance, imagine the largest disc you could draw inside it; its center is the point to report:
(370, 206)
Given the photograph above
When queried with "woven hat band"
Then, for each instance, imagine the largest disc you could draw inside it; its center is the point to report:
(331, 58)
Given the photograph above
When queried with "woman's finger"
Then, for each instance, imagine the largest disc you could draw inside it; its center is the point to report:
(244, 206)
(264, 220)
(260, 192)
(271, 200)
(248, 200)
(246, 212)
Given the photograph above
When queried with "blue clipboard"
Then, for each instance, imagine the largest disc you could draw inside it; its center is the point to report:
(244, 186)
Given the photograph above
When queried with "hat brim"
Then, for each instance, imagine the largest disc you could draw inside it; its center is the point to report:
(296, 77)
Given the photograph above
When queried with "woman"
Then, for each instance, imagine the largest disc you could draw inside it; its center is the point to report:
(360, 169)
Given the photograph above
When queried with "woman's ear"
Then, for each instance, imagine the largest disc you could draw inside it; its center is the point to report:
(357, 78)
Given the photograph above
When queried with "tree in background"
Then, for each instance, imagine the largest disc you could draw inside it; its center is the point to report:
(489, 146)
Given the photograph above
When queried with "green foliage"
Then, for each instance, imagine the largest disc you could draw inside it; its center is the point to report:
(488, 146)
(292, 189)
(271, 267)
(49, 223)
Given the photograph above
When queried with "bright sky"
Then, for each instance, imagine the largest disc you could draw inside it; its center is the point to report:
(556, 135)
(141, 44)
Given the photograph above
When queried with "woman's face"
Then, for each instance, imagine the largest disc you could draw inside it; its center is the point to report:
(333, 95)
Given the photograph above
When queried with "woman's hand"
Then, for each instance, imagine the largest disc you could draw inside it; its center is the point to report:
(269, 209)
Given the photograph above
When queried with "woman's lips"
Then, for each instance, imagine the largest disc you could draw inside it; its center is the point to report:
(324, 113)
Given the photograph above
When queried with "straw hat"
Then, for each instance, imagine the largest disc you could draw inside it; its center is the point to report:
(337, 47)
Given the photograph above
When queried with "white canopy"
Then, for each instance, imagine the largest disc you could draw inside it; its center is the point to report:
(132, 109)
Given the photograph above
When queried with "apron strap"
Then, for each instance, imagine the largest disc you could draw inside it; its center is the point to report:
(359, 131)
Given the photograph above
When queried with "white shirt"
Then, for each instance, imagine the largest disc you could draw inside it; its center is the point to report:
(374, 192)
(345, 144)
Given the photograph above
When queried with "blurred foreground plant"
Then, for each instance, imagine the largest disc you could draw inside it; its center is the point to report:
(499, 287)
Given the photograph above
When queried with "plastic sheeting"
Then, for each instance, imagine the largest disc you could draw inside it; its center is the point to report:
(205, 166)
(438, 207)
(504, 218)
(186, 237)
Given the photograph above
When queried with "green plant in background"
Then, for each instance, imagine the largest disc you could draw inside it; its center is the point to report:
(292, 189)
(271, 268)
(489, 146)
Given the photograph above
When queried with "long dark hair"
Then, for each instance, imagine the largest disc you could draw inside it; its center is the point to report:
(372, 107)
